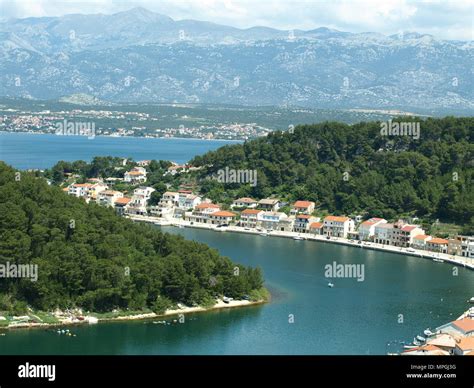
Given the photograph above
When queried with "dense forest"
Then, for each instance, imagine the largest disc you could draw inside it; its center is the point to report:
(353, 168)
(89, 257)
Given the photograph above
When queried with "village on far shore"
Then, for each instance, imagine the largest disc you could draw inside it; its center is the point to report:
(188, 208)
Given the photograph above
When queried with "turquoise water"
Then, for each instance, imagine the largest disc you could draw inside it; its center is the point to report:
(351, 318)
(22, 150)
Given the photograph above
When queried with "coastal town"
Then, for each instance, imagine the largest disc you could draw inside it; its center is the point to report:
(186, 208)
(114, 123)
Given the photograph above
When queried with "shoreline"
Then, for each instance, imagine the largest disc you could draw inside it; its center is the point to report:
(446, 258)
(91, 319)
(133, 137)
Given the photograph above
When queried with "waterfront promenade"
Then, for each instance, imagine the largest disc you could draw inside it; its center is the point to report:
(456, 260)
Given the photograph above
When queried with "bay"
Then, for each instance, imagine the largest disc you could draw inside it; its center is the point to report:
(24, 150)
(351, 318)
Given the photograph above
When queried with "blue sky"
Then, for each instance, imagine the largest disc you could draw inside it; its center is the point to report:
(443, 19)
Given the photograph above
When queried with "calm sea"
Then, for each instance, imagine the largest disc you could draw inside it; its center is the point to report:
(399, 298)
(23, 150)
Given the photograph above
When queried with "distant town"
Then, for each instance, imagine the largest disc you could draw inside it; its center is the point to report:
(93, 123)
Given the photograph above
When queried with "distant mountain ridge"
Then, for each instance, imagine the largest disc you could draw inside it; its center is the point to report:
(141, 56)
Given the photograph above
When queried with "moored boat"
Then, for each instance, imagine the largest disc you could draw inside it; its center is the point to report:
(420, 338)
(428, 332)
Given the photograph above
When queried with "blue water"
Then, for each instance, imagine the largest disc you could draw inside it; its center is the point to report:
(22, 150)
(351, 318)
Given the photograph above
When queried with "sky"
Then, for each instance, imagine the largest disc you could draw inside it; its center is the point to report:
(444, 19)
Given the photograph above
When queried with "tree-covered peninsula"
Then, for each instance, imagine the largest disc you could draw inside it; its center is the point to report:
(88, 257)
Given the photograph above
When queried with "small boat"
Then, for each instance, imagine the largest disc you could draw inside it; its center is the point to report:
(416, 343)
(264, 234)
(438, 260)
(330, 285)
(297, 238)
(471, 300)
(428, 333)
(180, 226)
(411, 250)
(409, 346)
(420, 338)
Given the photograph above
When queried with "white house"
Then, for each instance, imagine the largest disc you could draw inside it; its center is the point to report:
(245, 202)
(201, 213)
(419, 241)
(302, 207)
(367, 228)
(408, 232)
(108, 197)
(467, 246)
(249, 218)
(437, 245)
(269, 204)
(302, 223)
(316, 228)
(337, 226)
(221, 217)
(270, 220)
(135, 176)
(383, 233)
(121, 205)
(89, 191)
(140, 197)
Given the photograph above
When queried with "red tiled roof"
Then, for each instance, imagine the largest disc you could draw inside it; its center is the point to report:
(304, 204)
(123, 201)
(223, 213)
(245, 199)
(409, 228)
(305, 216)
(315, 225)
(466, 343)
(251, 211)
(465, 324)
(336, 218)
(207, 206)
(421, 237)
(438, 241)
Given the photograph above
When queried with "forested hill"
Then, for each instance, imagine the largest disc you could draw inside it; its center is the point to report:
(386, 176)
(89, 257)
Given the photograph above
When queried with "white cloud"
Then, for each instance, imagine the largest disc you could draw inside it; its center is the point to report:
(444, 19)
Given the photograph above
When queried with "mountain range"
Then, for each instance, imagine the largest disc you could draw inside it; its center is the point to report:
(141, 56)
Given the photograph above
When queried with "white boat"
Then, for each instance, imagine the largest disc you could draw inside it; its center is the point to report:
(416, 343)
(409, 346)
(298, 238)
(471, 300)
(330, 285)
(420, 338)
(428, 333)
(438, 260)
(411, 250)
(180, 226)
(264, 234)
